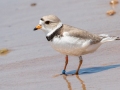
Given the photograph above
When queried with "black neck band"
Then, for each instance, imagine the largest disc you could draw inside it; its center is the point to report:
(56, 33)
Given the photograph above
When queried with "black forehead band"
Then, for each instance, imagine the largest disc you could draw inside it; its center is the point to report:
(42, 19)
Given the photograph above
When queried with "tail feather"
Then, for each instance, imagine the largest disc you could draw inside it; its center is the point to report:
(107, 38)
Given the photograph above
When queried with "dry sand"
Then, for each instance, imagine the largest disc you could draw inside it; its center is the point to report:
(32, 64)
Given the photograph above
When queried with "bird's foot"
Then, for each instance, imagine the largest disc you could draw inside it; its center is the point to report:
(63, 72)
(76, 73)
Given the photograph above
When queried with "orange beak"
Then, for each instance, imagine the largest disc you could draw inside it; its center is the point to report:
(37, 27)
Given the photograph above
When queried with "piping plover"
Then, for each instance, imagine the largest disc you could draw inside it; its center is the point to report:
(69, 40)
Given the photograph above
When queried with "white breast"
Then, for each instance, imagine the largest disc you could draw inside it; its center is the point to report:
(73, 46)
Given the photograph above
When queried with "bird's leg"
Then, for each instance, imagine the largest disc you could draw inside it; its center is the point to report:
(66, 62)
(80, 63)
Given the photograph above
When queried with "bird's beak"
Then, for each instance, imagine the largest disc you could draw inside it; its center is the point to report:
(37, 27)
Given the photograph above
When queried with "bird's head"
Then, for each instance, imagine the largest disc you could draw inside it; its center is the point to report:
(48, 23)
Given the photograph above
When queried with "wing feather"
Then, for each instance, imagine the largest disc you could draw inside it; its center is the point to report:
(81, 34)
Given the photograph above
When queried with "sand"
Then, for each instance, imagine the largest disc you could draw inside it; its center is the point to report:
(32, 64)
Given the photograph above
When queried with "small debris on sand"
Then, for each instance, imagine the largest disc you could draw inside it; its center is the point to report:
(4, 51)
(113, 2)
(110, 12)
(33, 4)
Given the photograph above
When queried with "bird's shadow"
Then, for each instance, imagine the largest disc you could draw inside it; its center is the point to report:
(93, 69)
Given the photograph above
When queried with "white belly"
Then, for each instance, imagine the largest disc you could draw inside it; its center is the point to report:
(73, 46)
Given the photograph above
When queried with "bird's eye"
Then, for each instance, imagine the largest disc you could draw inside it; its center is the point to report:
(47, 22)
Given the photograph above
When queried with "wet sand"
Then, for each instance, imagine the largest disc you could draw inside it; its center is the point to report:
(32, 64)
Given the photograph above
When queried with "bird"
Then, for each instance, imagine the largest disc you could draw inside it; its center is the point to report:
(70, 40)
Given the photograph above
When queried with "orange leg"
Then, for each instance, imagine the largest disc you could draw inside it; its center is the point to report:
(80, 63)
(66, 62)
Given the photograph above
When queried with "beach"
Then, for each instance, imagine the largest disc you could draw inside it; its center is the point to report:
(32, 64)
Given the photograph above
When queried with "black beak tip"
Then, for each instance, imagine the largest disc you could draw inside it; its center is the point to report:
(35, 29)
